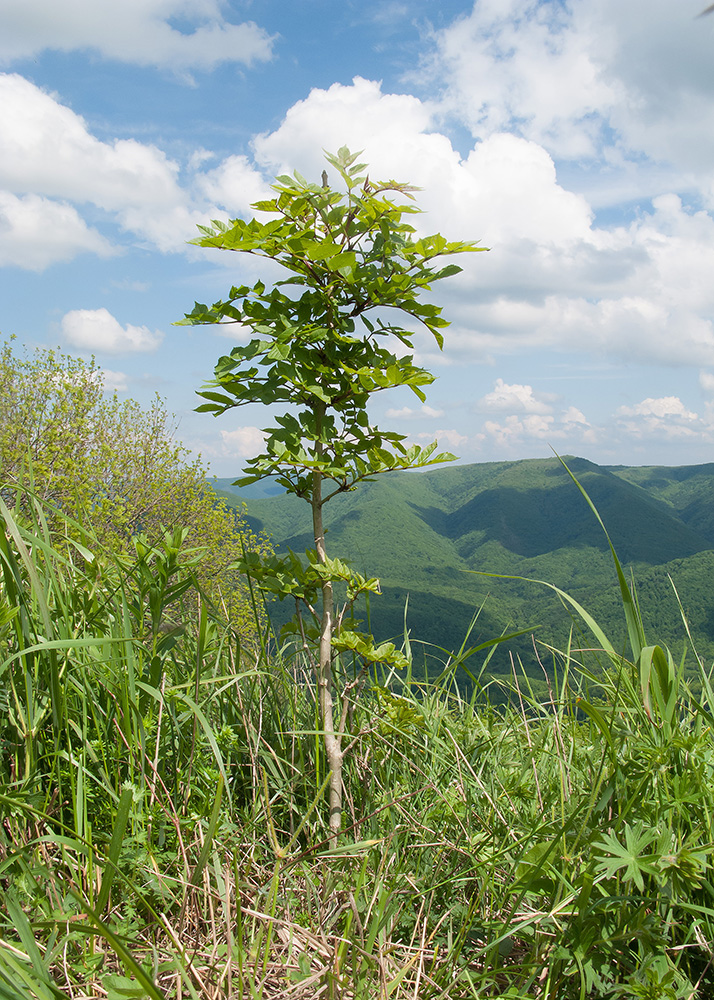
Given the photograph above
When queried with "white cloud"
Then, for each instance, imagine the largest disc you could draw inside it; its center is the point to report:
(50, 153)
(407, 413)
(573, 417)
(588, 79)
(234, 185)
(660, 56)
(97, 330)
(513, 191)
(36, 232)
(665, 417)
(706, 381)
(570, 427)
(388, 127)
(446, 438)
(574, 426)
(505, 188)
(114, 381)
(243, 442)
(510, 398)
(133, 31)
(664, 406)
(49, 150)
(642, 292)
(515, 429)
(553, 278)
(522, 65)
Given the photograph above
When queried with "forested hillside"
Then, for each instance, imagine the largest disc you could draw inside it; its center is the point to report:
(430, 537)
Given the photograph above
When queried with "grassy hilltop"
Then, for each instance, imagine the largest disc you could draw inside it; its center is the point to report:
(428, 536)
(164, 829)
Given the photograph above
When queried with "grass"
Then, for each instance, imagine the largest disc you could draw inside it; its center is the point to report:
(163, 823)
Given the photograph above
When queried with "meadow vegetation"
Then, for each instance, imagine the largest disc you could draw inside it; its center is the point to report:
(166, 834)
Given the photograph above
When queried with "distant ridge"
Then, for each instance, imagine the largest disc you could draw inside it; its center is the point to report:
(425, 534)
(257, 491)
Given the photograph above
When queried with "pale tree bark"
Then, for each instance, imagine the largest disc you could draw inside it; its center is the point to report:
(332, 739)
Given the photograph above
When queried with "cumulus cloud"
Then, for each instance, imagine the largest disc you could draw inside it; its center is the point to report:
(667, 115)
(665, 406)
(114, 381)
(243, 442)
(506, 186)
(133, 31)
(554, 278)
(641, 292)
(514, 398)
(515, 429)
(523, 65)
(573, 419)
(36, 232)
(407, 413)
(570, 428)
(97, 330)
(49, 149)
(584, 79)
(446, 437)
(357, 115)
(50, 153)
(234, 185)
(665, 417)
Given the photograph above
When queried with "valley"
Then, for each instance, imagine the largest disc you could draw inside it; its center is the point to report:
(433, 537)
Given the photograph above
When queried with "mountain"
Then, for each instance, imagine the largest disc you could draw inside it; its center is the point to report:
(431, 536)
(256, 491)
(688, 490)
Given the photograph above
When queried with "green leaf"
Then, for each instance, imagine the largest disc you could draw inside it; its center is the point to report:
(118, 987)
(628, 859)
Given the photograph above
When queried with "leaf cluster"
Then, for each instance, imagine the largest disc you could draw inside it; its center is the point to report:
(321, 340)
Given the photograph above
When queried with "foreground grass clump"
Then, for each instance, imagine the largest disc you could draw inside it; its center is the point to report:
(164, 826)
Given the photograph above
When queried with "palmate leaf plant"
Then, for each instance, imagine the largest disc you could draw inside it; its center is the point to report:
(321, 346)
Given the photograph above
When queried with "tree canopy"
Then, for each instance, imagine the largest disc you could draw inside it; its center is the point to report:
(116, 468)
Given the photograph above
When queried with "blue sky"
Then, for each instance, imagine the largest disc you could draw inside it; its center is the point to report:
(575, 139)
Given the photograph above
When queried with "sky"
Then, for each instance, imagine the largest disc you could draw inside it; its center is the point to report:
(573, 139)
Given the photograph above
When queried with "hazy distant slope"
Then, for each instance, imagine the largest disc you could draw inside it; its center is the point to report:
(688, 489)
(424, 534)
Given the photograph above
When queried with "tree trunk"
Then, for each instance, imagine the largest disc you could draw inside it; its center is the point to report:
(332, 740)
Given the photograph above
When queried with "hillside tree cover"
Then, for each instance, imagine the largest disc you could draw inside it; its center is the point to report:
(116, 468)
(324, 342)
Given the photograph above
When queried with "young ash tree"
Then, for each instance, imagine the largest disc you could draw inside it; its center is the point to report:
(323, 343)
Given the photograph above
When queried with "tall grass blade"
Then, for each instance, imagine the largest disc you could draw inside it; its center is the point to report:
(120, 823)
(635, 628)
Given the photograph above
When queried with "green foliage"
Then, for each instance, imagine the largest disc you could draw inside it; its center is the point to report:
(352, 258)
(116, 468)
